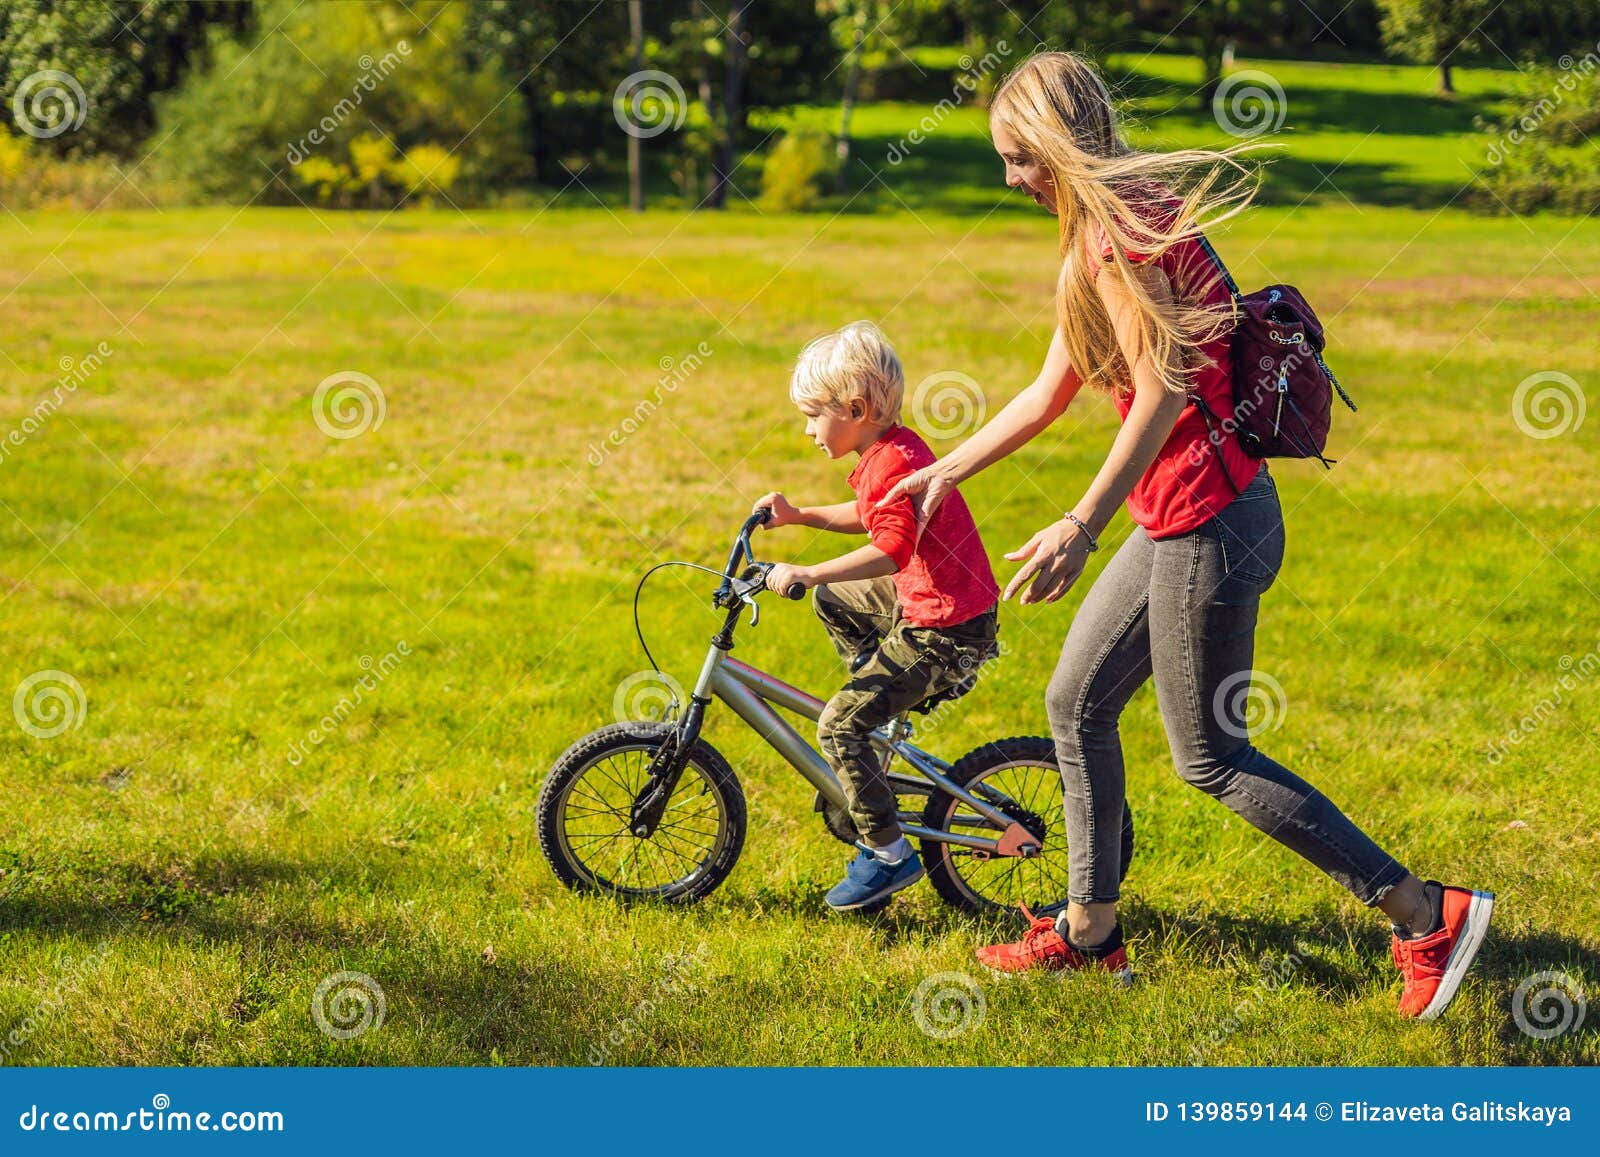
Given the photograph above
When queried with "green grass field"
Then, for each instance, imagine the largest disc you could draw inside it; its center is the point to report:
(182, 866)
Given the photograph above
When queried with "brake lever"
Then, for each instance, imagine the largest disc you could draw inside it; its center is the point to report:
(748, 595)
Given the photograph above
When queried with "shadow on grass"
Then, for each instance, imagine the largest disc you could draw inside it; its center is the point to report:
(1320, 109)
(473, 1008)
(961, 177)
(96, 900)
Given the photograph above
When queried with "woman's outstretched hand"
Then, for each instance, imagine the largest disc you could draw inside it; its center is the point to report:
(1056, 557)
(926, 488)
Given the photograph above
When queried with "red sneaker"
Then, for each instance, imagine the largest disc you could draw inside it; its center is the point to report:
(1043, 947)
(1433, 965)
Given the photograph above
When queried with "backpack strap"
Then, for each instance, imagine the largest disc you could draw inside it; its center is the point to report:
(1206, 411)
(1227, 278)
(1210, 417)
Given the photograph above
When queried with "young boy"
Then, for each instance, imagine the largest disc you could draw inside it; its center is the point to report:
(911, 618)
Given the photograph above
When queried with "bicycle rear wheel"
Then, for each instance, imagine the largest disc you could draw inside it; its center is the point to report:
(1020, 776)
(583, 818)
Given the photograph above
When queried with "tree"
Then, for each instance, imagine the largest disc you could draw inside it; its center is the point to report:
(746, 56)
(118, 54)
(735, 54)
(1432, 31)
(566, 59)
(1437, 33)
(635, 149)
(851, 21)
(1209, 26)
(328, 76)
(1214, 24)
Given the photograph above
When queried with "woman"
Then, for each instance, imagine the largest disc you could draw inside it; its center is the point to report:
(1142, 314)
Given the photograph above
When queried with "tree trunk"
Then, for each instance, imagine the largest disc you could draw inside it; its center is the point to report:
(635, 145)
(1210, 41)
(1210, 73)
(538, 130)
(732, 106)
(852, 78)
(1446, 81)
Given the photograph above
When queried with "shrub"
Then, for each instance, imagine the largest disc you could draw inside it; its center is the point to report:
(796, 171)
(34, 177)
(378, 175)
(1540, 157)
(378, 87)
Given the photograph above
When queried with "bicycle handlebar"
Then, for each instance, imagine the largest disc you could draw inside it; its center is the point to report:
(741, 546)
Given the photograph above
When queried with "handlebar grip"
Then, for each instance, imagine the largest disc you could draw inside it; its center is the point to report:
(795, 591)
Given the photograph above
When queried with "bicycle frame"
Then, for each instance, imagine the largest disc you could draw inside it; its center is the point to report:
(752, 695)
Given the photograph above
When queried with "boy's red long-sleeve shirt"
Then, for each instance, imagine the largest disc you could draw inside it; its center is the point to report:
(944, 579)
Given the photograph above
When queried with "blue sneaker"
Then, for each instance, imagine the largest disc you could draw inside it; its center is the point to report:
(868, 879)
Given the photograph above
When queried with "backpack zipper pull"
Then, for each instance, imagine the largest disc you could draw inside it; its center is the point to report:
(1283, 389)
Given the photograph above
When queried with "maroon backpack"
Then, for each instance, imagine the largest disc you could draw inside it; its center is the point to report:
(1282, 389)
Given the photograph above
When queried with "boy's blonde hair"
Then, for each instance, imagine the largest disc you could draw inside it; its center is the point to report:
(856, 362)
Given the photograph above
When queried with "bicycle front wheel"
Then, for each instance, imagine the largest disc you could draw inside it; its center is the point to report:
(583, 818)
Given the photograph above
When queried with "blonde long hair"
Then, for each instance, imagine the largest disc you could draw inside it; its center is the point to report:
(1058, 108)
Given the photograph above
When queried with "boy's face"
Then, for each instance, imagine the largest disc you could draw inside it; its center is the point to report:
(836, 432)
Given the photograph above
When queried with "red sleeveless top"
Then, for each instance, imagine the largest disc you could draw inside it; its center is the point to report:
(1185, 486)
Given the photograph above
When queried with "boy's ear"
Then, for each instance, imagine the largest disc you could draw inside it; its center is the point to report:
(858, 409)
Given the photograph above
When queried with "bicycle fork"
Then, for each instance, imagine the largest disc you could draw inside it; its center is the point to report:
(667, 767)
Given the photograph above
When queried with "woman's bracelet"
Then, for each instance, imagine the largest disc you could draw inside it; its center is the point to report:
(1094, 543)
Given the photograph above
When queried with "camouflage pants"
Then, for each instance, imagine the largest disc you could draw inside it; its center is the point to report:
(910, 664)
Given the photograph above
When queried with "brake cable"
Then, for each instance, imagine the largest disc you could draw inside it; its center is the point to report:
(639, 631)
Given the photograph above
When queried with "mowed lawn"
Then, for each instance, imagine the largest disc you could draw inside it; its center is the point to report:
(184, 864)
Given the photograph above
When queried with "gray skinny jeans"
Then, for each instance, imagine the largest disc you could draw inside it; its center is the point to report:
(1184, 610)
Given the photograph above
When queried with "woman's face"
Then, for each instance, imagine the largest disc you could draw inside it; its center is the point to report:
(1022, 171)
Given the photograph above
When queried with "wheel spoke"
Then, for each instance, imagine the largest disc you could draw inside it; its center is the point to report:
(597, 832)
(1003, 881)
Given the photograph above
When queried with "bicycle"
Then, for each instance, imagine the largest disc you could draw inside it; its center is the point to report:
(649, 809)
